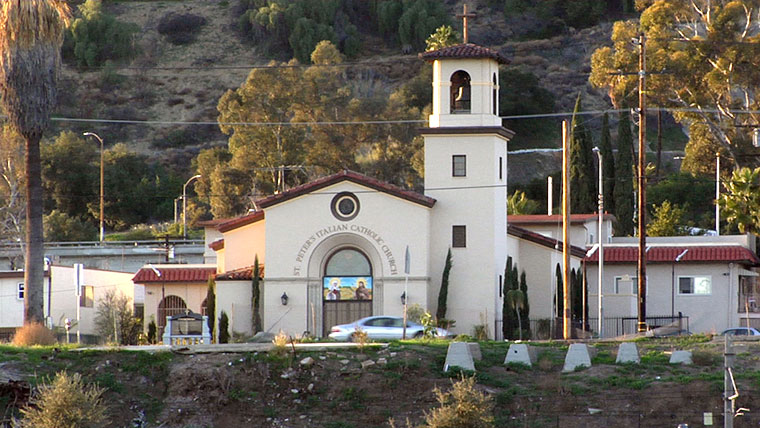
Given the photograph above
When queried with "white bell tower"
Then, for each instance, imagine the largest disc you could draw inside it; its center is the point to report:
(466, 172)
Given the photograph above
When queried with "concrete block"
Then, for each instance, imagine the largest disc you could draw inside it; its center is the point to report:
(519, 353)
(475, 351)
(459, 355)
(627, 353)
(577, 356)
(680, 357)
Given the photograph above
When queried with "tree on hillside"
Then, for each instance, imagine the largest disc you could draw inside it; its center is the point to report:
(623, 191)
(31, 34)
(695, 194)
(224, 188)
(444, 36)
(667, 220)
(709, 51)
(608, 165)
(582, 182)
(97, 36)
(70, 156)
(519, 204)
(740, 203)
(12, 186)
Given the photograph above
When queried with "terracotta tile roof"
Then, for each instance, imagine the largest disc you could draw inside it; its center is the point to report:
(668, 254)
(554, 218)
(217, 245)
(241, 274)
(539, 239)
(241, 221)
(464, 50)
(147, 275)
(346, 175)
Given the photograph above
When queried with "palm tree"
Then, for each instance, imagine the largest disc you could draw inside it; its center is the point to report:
(31, 34)
(516, 301)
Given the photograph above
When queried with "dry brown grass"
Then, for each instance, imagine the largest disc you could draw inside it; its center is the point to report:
(34, 334)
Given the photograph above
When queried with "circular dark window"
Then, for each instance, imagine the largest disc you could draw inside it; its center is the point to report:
(345, 206)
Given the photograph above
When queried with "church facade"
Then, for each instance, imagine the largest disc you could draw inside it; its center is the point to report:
(347, 246)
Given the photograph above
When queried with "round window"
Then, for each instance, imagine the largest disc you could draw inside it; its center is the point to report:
(345, 206)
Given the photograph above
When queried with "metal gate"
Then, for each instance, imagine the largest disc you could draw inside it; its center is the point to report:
(343, 312)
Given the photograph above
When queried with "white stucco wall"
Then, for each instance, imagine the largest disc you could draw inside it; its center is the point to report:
(242, 245)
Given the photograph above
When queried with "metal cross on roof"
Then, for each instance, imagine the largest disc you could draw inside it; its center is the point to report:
(464, 15)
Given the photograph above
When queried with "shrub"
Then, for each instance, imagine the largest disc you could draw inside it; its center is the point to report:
(60, 226)
(63, 403)
(152, 330)
(224, 324)
(180, 28)
(115, 317)
(34, 334)
(462, 407)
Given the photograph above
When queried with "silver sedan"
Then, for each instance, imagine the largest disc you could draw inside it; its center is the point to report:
(381, 328)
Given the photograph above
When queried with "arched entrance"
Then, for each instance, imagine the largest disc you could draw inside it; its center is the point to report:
(170, 306)
(347, 288)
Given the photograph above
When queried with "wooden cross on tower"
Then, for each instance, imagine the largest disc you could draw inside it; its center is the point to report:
(464, 15)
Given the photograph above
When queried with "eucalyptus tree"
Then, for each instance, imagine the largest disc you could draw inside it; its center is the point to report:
(703, 59)
(31, 34)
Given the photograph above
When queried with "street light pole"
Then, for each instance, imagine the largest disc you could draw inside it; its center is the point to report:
(184, 205)
(717, 193)
(601, 243)
(102, 187)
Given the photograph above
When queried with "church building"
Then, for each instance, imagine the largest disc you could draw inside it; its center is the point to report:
(347, 246)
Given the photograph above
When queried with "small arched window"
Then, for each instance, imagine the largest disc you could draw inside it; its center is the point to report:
(460, 92)
(495, 96)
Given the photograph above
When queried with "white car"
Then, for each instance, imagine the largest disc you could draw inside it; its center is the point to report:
(741, 331)
(381, 328)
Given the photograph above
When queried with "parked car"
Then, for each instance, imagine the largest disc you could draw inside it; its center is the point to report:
(741, 331)
(381, 328)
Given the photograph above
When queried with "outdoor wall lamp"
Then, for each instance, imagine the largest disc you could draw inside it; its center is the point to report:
(403, 298)
(284, 298)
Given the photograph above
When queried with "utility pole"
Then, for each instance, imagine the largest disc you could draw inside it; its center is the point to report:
(565, 241)
(642, 197)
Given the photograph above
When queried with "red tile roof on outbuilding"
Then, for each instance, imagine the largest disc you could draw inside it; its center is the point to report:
(241, 274)
(545, 241)
(147, 275)
(351, 176)
(668, 254)
(463, 50)
(241, 221)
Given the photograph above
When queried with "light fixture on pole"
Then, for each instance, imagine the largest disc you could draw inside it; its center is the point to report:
(184, 205)
(600, 313)
(102, 230)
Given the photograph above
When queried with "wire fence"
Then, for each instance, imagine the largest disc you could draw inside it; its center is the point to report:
(551, 328)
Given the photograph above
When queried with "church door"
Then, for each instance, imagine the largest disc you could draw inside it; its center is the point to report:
(346, 288)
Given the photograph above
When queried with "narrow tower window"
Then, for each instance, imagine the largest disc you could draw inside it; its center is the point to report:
(459, 166)
(494, 96)
(460, 92)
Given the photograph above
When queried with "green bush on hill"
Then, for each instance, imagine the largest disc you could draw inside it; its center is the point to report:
(97, 36)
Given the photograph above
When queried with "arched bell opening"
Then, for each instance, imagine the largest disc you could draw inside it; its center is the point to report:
(460, 92)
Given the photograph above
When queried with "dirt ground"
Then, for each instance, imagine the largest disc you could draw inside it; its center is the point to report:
(345, 388)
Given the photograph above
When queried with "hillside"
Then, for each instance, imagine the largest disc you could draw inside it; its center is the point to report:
(168, 83)
(353, 388)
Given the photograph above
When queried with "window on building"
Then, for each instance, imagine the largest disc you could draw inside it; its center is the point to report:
(459, 166)
(87, 299)
(628, 285)
(20, 291)
(698, 285)
(501, 168)
(749, 294)
(494, 96)
(459, 236)
(460, 92)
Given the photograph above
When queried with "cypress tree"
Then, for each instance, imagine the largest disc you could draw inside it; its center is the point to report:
(211, 307)
(623, 191)
(608, 165)
(256, 297)
(505, 311)
(525, 312)
(443, 293)
(582, 193)
(224, 324)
